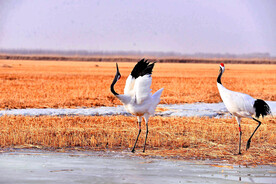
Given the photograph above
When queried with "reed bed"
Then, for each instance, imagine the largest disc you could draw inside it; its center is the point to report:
(52, 84)
(169, 137)
(69, 84)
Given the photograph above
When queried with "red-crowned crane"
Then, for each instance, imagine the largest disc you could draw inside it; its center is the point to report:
(242, 105)
(137, 98)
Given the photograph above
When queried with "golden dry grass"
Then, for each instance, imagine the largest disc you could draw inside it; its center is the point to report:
(170, 137)
(41, 84)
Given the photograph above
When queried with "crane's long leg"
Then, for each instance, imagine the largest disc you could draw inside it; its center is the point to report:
(146, 137)
(239, 122)
(146, 116)
(139, 122)
(249, 140)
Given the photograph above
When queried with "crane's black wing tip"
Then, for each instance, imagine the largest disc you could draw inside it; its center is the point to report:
(142, 68)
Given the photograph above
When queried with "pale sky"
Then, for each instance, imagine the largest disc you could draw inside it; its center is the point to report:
(185, 26)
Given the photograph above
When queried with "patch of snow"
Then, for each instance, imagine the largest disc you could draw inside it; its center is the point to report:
(216, 110)
(272, 105)
(99, 111)
(196, 109)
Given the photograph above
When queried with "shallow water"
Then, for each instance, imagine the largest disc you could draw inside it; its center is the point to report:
(217, 110)
(99, 167)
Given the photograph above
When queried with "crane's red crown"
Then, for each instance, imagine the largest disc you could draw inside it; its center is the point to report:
(221, 64)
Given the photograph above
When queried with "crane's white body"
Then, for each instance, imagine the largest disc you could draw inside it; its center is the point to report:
(241, 105)
(137, 98)
(238, 104)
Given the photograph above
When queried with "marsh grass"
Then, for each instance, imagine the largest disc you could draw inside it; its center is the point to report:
(172, 137)
(50, 84)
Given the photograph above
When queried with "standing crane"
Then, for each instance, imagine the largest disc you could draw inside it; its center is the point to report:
(137, 98)
(242, 105)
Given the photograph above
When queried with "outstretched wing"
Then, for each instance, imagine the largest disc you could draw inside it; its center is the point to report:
(142, 88)
(129, 87)
(139, 81)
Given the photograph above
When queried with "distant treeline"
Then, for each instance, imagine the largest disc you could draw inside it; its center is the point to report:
(135, 58)
(80, 53)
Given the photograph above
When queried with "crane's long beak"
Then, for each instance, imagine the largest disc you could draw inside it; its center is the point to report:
(118, 75)
(116, 78)
(117, 68)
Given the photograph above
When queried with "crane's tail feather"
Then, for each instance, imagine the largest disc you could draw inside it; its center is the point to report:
(261, 108)
(156, 98)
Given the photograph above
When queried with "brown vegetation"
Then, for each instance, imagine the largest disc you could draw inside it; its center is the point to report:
(169, 137)
(42, 84)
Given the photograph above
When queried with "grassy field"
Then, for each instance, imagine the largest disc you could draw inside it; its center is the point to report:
(43, 84)
(178, 138)
(68, 84)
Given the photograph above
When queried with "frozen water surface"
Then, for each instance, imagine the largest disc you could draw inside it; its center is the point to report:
(197, 109)
(95, 167)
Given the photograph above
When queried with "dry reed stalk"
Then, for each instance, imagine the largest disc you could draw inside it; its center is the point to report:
(172, 137)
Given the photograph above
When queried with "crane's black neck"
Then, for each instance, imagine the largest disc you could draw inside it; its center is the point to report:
(112, 85)
(219, 76)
